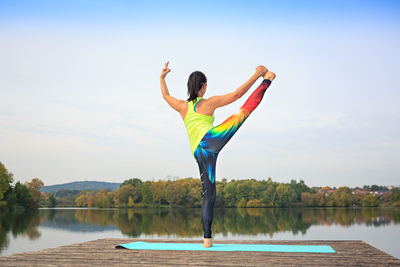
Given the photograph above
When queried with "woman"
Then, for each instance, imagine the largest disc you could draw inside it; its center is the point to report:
(206, 141)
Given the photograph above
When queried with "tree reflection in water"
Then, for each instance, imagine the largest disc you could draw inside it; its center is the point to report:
(186, 222)
(18, 223)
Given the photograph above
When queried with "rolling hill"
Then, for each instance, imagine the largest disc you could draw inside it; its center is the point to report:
(84, 185)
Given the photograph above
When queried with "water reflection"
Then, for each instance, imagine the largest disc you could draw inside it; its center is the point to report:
(18, 223)
(187, 223)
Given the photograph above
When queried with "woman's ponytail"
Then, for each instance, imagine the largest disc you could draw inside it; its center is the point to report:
(195, 82)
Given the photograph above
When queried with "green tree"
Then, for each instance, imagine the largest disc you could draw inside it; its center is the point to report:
(306, 199)
(298, 188)
(387, 196)
(158, 191)
(319, 199)
(124, 192)
(146, 192)
(220, 198)
(230, 194)
(357, 198)
(135, 182)
(102, 199)
(370, 200)
(343, 197)
(130, 202)
(81, 200)
(282, 195)
(243, 190)
(175, 193)
(6, 178)
(269, 194)
(20, 196)
(34, 189)
(111, 199)
(375, 187)
(194, 198)
(330, 200)
(242, 203)
(137, 188)
(51, 202)
(395, 194)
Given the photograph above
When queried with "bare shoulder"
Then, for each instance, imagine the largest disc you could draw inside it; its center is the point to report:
(205, 107)
(184, 106)
(183, 109)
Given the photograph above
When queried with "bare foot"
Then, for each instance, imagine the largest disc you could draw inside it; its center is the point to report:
(270, 76)
(207, 242)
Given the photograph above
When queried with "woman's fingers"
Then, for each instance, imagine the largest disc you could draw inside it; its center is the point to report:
(261, 70)
(165, 70)
(265, 70)
(166, 66)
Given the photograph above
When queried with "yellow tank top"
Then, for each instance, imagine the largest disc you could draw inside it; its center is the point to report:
(197, 125)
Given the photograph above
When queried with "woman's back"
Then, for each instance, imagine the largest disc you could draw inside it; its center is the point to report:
(201, 108)
(197, 124)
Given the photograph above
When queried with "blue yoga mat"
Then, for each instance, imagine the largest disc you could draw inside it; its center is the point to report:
(227, 247)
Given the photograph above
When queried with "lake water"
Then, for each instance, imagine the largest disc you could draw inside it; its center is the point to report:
(47, 228)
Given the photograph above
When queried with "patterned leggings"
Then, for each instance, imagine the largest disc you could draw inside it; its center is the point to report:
(207, 152)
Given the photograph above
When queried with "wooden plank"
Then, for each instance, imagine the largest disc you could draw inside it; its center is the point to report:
(102, 252)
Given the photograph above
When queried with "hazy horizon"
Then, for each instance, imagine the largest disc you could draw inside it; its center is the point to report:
(81, 100)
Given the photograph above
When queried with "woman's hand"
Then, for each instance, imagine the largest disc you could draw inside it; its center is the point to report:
(165, 70)
(261, 71)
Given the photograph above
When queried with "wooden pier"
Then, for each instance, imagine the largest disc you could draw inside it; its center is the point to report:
(102, 252)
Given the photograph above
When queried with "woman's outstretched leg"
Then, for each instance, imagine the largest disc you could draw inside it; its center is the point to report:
(217, 137)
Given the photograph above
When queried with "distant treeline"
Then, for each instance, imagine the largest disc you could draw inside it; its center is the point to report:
(186, 192)
(249, 193)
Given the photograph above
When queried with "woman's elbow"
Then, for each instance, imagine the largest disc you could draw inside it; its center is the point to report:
(166, 97)
(236, 96)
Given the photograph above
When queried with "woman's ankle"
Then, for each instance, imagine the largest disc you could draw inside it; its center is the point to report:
(207, 243)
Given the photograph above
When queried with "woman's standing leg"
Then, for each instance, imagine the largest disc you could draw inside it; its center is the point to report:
(207, 162)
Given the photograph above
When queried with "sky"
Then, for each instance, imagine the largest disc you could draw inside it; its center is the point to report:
(81, 100)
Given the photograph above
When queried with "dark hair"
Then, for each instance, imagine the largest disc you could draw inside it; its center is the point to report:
(195, 82)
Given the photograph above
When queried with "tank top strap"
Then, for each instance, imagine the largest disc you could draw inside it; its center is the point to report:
(197, 101)
(191, 106)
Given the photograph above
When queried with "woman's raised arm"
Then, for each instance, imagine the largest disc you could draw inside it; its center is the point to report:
(175, 103)
(223, 100)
